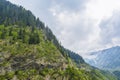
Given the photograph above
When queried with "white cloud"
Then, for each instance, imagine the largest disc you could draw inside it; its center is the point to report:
(100, 9)
(110, 30)
(77, 29)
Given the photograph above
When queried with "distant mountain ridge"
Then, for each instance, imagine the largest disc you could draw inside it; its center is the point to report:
(106, 59)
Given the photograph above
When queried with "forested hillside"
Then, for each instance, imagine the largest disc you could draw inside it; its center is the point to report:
(30, 51)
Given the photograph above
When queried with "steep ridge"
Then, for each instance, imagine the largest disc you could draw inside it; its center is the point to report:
(30, 51)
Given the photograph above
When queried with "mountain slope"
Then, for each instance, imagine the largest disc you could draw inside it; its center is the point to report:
(11, 14)
(30, 51)
(108, 59)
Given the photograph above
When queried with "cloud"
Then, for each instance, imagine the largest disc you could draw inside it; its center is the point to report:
(99, 9)
(110, 30)
(77, 30)
(72, 5)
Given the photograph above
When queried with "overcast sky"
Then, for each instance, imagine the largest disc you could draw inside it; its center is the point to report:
(80, 25)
